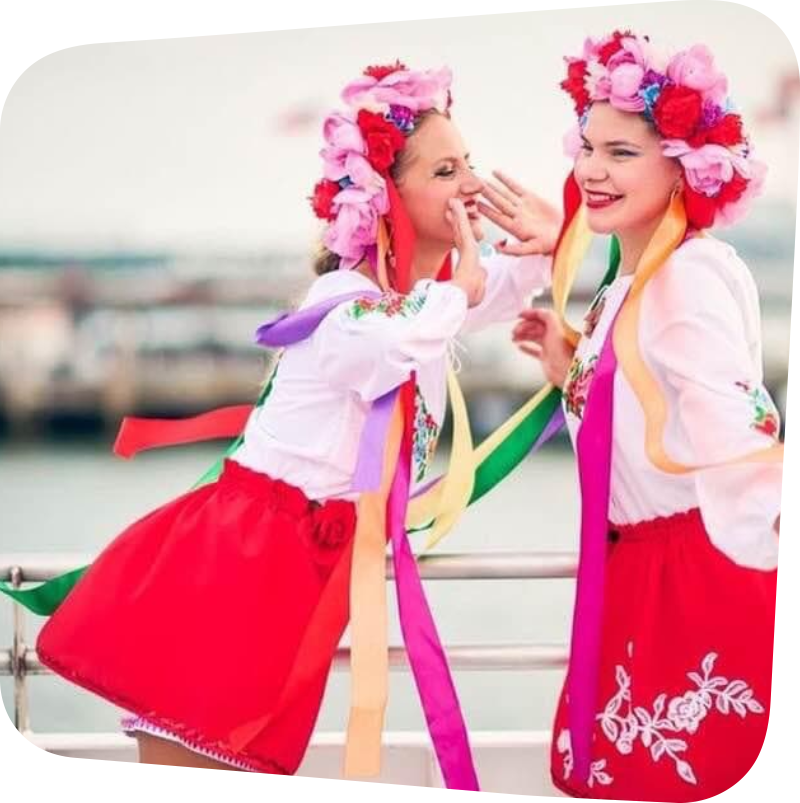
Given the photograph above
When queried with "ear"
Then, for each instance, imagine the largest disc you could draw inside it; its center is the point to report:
(679, 184)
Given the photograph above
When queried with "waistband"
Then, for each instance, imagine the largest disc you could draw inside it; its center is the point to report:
(686, 522)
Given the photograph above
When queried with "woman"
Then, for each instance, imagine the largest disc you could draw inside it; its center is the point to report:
(668, 687)
(259, 561)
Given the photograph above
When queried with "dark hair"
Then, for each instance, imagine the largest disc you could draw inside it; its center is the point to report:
(325, 260)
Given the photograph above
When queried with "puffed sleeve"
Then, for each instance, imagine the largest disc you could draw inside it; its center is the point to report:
(510, 283)
(702, 326)
(371, 345)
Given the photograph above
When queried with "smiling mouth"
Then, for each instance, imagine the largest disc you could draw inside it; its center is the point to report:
(472, 211)
(600, 200)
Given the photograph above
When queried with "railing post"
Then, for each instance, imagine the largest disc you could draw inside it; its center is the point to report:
(18, 669)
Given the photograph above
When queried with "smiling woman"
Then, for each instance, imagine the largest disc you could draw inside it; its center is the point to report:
(668, 687)
(321, 476)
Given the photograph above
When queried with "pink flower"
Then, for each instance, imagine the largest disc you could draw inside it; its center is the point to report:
(631, 53)
(412, 89)
(706, 168)
(345, 155)
(592, 47)
(695, 68)
(343, 140)
(363, 175)
(343, 132)
(731, 213)
(598, 81)
(356, 224)
(572, 141)
(626, 79)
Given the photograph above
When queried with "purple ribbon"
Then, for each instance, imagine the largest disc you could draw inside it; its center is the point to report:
(369, 468)
(294, 326)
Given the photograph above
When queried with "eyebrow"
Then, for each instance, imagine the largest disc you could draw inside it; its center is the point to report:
(614, 143)
(465, 157)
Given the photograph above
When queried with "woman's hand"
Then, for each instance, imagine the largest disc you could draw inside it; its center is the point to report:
(540, 334)
(469, 275)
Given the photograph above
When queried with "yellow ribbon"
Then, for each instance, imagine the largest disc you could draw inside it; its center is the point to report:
(446, 501)
(667, 237)
(369, 662)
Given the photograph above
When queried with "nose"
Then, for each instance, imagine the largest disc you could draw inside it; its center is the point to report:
(590, 167)
(472, 184)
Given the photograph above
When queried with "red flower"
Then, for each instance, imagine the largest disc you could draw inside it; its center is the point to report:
(612, 47)
(322, 199)
(727, 132)
(769, 426)
(700, 209)
(678, 111)
(576, 86)
(328, 528)
(379, 72)
(732, 190)
(382, 138)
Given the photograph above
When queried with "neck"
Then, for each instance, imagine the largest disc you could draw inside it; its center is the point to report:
(425, 264)
(632, 245)
(427, 260)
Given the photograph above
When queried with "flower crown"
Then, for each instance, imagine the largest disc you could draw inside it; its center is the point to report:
(361, 143)
(686, 99)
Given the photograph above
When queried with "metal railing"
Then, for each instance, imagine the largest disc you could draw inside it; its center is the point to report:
(21, 661)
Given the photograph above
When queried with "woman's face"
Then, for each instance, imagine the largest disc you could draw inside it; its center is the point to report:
(625, 179)
(436, 168)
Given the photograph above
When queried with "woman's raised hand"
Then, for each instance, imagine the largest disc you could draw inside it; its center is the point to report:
(540, 333)
(469, 275)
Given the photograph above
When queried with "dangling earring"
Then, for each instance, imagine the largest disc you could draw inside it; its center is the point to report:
(391, 267)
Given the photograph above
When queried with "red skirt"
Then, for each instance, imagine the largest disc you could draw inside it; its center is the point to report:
(192, 617)
(685, 672)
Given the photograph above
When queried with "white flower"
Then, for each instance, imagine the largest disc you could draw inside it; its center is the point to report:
(687, 712)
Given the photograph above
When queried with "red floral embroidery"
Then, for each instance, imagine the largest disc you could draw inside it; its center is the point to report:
(594, 314)
(765, 416)
(576, 388)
